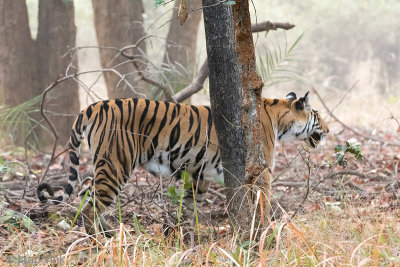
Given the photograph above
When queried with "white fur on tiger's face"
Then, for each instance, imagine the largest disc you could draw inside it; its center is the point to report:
(166, 138)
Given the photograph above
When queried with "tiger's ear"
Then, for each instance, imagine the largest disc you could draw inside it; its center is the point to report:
(291, 96)
(302, 103)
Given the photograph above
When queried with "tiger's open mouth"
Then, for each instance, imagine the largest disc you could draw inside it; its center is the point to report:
(314, 139)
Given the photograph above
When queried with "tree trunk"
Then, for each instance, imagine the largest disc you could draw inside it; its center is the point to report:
(18, 56)
(56, 35)
(226, 98)
(181, 41)
(256, 173)
(118, 24)
(29, 66)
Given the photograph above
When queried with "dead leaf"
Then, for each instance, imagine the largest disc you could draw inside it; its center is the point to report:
(182, 12)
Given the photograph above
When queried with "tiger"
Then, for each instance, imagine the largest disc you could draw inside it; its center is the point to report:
(166, 138)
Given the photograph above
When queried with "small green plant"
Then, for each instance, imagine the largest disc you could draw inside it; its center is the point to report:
(351, 147)
(16, 220)
(174, 194)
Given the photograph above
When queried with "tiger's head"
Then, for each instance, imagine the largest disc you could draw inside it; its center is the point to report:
(299, 121)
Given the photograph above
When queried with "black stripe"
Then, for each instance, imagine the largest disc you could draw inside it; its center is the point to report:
(73, 158)
(281, 117)
(89, 111)
(188, 146)
(275, 102)
(78, 124)
(68, 189)
(73, 175)
(174, 137)
(190, 120)
(200, 155)
(91, 129)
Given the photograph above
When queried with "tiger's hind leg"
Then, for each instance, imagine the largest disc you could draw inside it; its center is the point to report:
(105, 188)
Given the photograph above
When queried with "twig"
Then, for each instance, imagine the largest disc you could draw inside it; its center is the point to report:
(289, 184)
(347, 127)
(307, 162)
(218, 194)
(19, 196)
(123, 52)
(347, 172)
(356, 187)
(343, 97)
(267, 26)
(53, 129)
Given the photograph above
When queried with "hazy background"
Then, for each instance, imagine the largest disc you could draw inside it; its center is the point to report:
(344, 43)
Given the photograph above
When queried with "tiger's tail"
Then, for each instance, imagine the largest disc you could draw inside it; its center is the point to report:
(74, 143)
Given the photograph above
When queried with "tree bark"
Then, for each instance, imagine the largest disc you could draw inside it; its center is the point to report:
(118, 24)
(18, 55)
(226, 98)
(181, 41)
(56, 34)
(256, 172)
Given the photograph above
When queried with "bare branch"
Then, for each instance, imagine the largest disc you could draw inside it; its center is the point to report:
(195, 86)
(140, 72)
(267, 26)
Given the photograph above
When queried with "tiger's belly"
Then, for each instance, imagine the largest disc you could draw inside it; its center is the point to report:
(161, 165)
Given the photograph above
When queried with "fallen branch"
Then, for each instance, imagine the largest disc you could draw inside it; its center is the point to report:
(348, 172)
(289, 184)
(19, 195)
(347, 127)
(218, 194)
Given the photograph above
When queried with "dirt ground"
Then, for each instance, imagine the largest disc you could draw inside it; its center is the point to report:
(371, 182)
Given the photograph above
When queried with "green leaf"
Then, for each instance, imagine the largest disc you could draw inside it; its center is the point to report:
(171, 190)
(80, 208)
(230, 3)
(246, 245)
(348, 144)
(339, 148)
(14, 218)
(220, 181)
(28, 223)
(185, 177)
(187, 186)
(172, 194)
(158, 2)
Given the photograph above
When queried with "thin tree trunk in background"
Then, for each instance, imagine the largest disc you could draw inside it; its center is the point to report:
(226, 99)
(56, 35)
(18, 57)
(119, 23)
(181, 40)
(256, 172)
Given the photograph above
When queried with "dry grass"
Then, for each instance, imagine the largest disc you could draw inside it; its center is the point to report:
(352, 236)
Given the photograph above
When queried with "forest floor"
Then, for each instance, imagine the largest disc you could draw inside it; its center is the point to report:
(348, 216)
